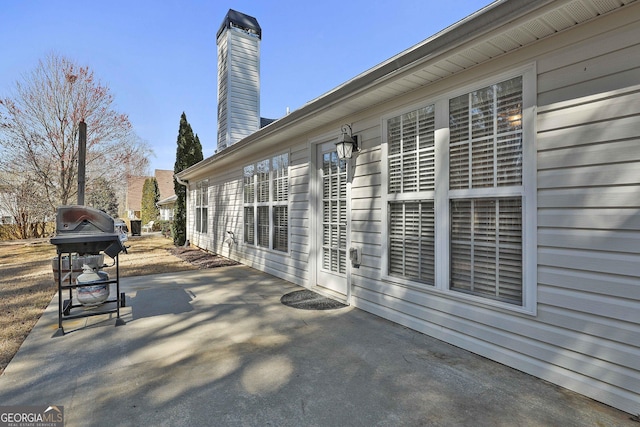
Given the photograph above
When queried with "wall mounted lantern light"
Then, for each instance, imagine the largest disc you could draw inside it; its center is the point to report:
(347, 143)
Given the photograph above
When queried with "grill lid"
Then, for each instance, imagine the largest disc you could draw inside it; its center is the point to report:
(85, 230)
(82, 219)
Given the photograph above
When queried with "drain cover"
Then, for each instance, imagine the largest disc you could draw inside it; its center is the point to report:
(309, 300)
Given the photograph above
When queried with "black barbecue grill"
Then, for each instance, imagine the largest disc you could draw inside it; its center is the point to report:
(81, 231)
(85, 230)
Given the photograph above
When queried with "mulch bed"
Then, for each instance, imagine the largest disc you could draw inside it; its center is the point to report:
(201, 258)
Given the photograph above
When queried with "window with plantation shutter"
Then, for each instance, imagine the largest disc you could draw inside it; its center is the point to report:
(249, 201)
(334, 213)
(460, 198)
(485, 158)
(202, 206)
(486, 248)
(411, 151)
(262, 181)
(411, 184)
(485, 147)
(281, 178)
(280, 199)
(263, 226)
(262, 200)
(249, 225)
(248, 184)
(412, 240)
(266, 203)
(281, 228)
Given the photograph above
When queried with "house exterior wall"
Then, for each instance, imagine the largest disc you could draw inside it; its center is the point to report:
(226, 214)
(588, 211)
(583, 330)
(584, 335)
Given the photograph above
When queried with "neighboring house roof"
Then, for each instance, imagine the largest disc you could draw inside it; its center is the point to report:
(497, 29)
(134, 192)
(165, 183)
(136, 184)
(168, 201)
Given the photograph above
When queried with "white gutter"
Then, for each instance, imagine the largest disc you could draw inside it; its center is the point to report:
(184, 183)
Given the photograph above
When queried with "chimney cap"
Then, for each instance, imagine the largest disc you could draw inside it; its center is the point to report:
(240, 20)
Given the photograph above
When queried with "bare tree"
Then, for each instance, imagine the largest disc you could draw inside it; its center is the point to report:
(19, 198)
(39, 131)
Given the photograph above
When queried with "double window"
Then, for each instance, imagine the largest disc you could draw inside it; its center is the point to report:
(456, 194)
(266, 203)
(202, 204)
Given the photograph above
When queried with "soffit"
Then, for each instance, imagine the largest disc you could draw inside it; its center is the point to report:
(552, 18)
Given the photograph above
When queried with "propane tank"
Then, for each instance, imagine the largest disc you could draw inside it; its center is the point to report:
(93, 290)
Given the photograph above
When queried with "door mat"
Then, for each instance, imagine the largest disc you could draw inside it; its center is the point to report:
(309, 300)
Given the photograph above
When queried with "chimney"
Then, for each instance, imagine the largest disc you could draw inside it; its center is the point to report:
(238, 41)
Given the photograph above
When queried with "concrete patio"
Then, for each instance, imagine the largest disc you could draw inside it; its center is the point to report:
(217, 348)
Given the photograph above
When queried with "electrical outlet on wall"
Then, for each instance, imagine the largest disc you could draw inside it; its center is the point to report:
(355, 255)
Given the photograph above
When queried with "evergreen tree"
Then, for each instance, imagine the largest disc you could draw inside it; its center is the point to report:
(102, 196)
(150, 196)
(188, 153)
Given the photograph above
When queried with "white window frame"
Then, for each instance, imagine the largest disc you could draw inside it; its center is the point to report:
(417, 193)
(272, 202)
(202, 207)
(443, 196)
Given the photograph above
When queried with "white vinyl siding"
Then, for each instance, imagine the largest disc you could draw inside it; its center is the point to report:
(589, 213)
(238, 86)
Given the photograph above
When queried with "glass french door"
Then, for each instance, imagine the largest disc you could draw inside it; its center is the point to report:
(332, 221)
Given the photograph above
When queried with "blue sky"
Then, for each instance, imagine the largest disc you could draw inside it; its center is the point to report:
(158, 57)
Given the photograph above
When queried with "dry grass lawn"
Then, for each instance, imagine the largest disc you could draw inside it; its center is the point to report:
(27, 284)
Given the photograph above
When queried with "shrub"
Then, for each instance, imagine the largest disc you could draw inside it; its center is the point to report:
(164, 226)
